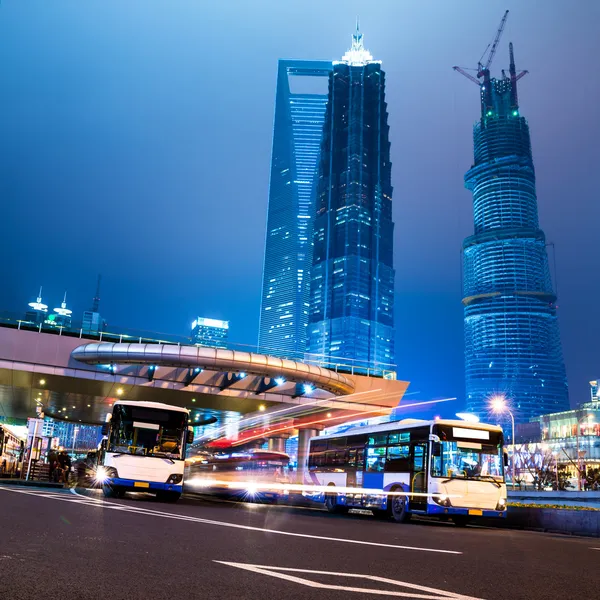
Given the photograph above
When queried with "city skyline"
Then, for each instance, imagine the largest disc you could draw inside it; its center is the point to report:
(437, 211)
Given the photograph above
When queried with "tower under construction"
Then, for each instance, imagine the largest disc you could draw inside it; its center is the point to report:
(512, 342)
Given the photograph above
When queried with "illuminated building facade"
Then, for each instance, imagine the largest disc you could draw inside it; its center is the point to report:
(38, 311)
(298, 129)
(512, 342)
(352, 278)
(210, 332)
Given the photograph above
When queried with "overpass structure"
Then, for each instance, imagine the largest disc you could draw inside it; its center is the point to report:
(250, 396)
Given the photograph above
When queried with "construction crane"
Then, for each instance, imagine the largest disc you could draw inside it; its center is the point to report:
(484, 70)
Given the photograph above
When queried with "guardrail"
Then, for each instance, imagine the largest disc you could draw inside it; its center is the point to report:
(123, 334)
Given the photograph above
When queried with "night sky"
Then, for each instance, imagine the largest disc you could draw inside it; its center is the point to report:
(135, 141)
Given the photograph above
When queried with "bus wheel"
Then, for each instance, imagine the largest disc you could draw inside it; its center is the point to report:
(112, 492)
(461, 520)
(168, 496)
(332, 506)
(398, 507)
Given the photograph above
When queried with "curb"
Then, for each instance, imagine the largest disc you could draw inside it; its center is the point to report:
(23, 483)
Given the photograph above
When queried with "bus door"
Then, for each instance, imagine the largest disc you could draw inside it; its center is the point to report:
(355, 467)
(418, 476)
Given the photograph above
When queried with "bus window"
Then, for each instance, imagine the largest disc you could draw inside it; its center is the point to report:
(398, 458)
(378, 439)
(399, 437)
(376, 459)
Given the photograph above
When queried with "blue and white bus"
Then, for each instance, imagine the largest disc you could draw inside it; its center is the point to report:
(144, 449)
(445, 468)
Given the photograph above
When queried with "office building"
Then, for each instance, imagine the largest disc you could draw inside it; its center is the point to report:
(38, 311)
(92, 320)
(512, 342)
(351, 319)
(300, 104)
(62, 315)
(210, 332)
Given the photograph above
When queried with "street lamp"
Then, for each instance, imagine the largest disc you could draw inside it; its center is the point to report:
(499, 406)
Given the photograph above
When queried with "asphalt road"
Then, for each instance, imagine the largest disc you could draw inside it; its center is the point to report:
(58, 544)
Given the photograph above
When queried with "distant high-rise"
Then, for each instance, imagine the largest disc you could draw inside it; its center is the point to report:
(298, 129)
(512, 342)
(210, 332)
(62, 315)
(92, 321)
(352, 276)
(38, 311)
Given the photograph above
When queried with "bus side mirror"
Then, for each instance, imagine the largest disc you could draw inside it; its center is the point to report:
(105, 429)
(190, 436)
(436, 449)
(505, 459)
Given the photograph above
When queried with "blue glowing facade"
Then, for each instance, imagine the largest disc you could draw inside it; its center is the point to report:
(298, 130)
(512, 342)
(352, 278)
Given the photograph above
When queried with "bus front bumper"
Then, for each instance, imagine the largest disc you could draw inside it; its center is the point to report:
(142, 486)
(434, 509)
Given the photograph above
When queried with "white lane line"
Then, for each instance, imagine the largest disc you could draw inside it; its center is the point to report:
(168, 515)
(277, 572)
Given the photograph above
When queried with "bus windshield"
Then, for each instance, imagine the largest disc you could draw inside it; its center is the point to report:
(467, 460)
(147, 432)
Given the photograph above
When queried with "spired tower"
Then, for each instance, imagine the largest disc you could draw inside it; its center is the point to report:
(351, 317)
(512, 342)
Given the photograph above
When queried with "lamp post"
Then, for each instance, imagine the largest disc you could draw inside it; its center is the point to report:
(587, 417)
(499, 406)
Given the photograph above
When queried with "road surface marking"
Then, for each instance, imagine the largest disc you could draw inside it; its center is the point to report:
(277, 572)
(80, 499)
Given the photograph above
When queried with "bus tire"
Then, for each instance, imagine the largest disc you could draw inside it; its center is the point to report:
(398, 507)
(461, 520)
(168, 496)
(332, 506)
(112, 492)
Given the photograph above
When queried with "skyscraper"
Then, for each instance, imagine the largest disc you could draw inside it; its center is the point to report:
(38, 311)
(352, 276)
(512, 342)
(92, 320)
(210, 332)
(298, 129)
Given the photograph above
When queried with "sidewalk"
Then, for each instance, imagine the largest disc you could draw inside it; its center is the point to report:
(32, 483)
(573, 498)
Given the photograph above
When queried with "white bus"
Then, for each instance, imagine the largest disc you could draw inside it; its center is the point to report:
(444, 468)
(12, 449)
(144, 449)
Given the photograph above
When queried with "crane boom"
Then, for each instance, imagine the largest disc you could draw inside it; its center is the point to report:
(467, 75)
(495, 43)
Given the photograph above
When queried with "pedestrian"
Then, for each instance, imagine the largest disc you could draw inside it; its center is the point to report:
(64, 460)
(52, 458)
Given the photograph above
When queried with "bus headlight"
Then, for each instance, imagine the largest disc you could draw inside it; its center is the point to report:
(441, 499)
(175, 478)
(103, 474)
(501, 504)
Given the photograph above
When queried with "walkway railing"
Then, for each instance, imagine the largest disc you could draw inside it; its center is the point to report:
(127, 335)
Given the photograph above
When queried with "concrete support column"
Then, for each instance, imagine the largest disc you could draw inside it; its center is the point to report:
(304, 435)
(277, 444)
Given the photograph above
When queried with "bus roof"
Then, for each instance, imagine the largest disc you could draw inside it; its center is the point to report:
(409, 424)
(157, 405)
(19, 431)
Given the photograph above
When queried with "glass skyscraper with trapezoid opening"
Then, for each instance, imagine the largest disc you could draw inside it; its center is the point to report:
(298, 129)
